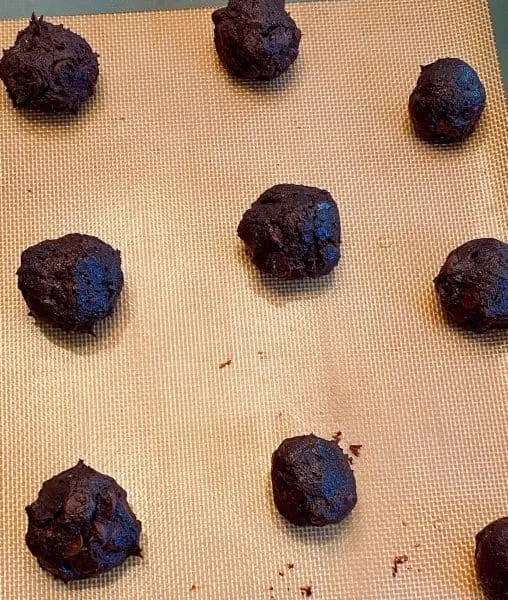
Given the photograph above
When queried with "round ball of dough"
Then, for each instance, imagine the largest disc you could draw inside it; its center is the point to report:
(312, 481)
(472, 285)
(49, 69)
(491, 559)
(71, 282)
(256, 39)
(293, 231)
(447, 102)
(81, 525)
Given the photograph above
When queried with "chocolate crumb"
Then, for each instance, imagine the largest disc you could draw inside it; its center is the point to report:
(225, 364)
(29, 191)
(270, 589)
(350, 459)
(417, 545)
(306, 590)
(398, 560)
(281, 573)
(405, 523)
(290, 565)
(336, 437)
(192, 588)
(355, 449)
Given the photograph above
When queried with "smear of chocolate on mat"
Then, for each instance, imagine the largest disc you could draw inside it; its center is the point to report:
(225, 364)
(417, 545)
(306, 590)
(350, 459)
(405, 524)
(355, 449)
(397, 561)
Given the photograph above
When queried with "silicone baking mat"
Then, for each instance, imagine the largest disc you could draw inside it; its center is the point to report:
(162, 165)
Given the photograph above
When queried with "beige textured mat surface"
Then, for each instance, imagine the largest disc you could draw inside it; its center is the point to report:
(162, 166)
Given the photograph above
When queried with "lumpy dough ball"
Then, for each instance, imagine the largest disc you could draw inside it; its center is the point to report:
(312, 481)
(491, 559)
(71, 282)
(472, 285)
(293, 231)
(256, 39)
(81, 525)
(49, 68)
(447, 102)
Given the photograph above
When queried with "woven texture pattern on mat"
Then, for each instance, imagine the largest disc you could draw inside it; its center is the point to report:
(162, 165)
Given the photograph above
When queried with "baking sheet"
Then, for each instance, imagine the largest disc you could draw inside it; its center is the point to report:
(162, 165)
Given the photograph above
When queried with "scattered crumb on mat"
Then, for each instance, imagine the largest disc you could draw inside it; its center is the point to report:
(397, 561)
(355, 449)
(336, 437)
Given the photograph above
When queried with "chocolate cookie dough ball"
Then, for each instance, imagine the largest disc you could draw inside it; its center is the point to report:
(312, 481)
(71, 282)
(473, 285)
(447, 102)
(492, 559)
(49, 68)
(293, 231)
(256, 39)
(81, 525)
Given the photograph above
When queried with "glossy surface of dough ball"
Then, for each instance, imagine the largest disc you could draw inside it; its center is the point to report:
(71, 282)
(491, 559)
(293, 231)
(472, 285)
(312, 481)
(447, 102)
(81, 525)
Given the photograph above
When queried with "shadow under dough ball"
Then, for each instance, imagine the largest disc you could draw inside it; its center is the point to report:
(49, 69)
(312, 481)
(472, 285)
(447, 102)
(491, 559)
(293, 231)
(71, 282)
(81, 524)
(256, 39)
